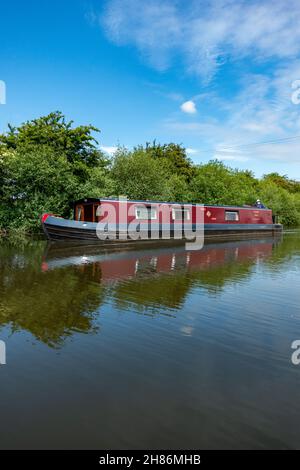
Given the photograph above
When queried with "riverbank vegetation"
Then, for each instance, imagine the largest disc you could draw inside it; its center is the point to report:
(47, 163)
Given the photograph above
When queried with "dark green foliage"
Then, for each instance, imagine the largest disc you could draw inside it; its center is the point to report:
(45, 164)
(76, 143)
(284, 182)
(173, 156)
(36, 182)
(284, 204)
(138, 176)
(214, 183)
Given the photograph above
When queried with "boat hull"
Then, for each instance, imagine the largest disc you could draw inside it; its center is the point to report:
(58, 229)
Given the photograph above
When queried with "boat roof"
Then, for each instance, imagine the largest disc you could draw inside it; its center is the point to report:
(147, 201)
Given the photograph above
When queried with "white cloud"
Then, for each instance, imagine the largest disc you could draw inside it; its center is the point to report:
(191, 151)
(188, 107)
(231, 158)
(2, 92)
(110, 150)
(203, 35)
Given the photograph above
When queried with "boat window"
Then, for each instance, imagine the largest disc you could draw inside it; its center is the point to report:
(145, 213)
(232, 216)
(181, 214)
(79, 213)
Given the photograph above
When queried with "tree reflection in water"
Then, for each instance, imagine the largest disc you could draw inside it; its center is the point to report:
(58, 292)
(50, 305)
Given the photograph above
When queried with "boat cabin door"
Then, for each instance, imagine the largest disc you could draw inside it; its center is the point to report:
(89, 212)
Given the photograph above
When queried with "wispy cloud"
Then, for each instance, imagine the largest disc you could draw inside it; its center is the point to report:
(2, 92)
(230, 155)
(205, 34)
(190, 151)
(110, 150)
(161, 90)
(246, 125)
(201, 37)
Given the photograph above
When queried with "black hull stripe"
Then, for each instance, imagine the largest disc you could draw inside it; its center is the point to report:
(60, 232)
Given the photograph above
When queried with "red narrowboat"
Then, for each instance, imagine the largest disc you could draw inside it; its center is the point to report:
(108, 220)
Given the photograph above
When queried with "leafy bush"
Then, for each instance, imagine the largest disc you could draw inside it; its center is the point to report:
(283, 204)
(214, 183)
(138, 176)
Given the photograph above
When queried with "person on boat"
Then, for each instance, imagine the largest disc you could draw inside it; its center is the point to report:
(259, 204)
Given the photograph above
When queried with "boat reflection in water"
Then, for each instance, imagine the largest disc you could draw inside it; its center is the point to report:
(158, 281)
(112, 266)
(57, 292)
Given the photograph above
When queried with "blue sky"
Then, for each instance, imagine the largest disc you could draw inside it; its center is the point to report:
(216, 76)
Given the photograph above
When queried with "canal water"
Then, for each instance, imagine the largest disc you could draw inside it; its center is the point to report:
(150, 349)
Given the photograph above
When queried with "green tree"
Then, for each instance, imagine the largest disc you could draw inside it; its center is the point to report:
(283, 181)
(54, 131)
(45, 164)
(283, 204)
(138, 176)
(174, 157)
(35, 182)
(215, 183)
(38, 180)
(177, 189)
